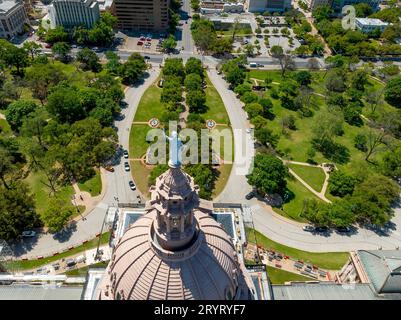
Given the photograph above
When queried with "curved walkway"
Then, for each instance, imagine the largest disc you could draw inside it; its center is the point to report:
(279, 228)
(117, 190)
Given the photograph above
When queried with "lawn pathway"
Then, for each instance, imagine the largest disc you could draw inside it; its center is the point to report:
(322, 194)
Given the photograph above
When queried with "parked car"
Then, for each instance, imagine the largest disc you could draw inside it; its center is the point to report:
(125, 153)
(146, 57)
(28, 234)
(321, 229)
(250, 195)
(132, 185)
(308, 228)
(139, 43)
(70, 262)
(109, 168)
(343, 229)
(48, 46)
(126, 166)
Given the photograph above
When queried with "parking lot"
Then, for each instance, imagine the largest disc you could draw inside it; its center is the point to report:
(144, 42)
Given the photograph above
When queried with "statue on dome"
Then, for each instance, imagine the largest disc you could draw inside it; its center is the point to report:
(175, 151)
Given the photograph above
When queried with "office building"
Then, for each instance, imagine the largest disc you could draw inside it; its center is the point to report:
(72, 13)
(13, 17)
(269, 5)
(142, 15)
(367, 25)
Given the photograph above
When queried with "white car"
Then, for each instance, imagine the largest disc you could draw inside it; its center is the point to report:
(126, 166)
(28, 234)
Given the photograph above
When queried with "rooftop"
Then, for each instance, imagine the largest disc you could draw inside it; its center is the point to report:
(371, 22)
(6, 5)
(39, 292)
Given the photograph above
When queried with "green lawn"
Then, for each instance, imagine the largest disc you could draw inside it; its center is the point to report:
(4, 127)
(150, 105)
(32, 264)
(294, 207)
(93, 185)
(82, 272)
(329, 260)
(225, 171)
(278, 276)
(314, 176)
(140, 174)
(216, 109)
(137, 140)
(41, 192)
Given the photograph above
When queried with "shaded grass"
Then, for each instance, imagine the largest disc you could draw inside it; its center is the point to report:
(32, 264)
(150, 105)
(278, 276)
(329, 260)
(93, 185)
(221, 181)
(314, 176)
(294, 207)
(140, 174)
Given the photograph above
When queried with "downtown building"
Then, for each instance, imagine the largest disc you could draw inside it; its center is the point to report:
(72, 13)
(269, 5)
(13, 17)
(142, 15)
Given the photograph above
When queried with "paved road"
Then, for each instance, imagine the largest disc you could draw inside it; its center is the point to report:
(116, 184)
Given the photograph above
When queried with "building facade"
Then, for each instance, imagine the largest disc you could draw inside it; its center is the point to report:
(315, 3)
(337, 5)
(367, 25)
(72, 13)
(13, 17)
(269, 5)
(142, 15)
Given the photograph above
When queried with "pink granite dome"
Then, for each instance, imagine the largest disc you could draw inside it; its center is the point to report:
(140, 269)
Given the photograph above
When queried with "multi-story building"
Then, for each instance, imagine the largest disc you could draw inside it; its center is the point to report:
(269, 5)
(146, 15)
(12, 18)
(337, 5)
(315, 3)
(72, 13)
(367, 25)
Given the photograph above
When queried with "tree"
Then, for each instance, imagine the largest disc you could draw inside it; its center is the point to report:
(17, 111)
(193, 81)
(57, 214)
(269, 174)
(64, 104)
(203, 177)
(372, 199)
(392, 92)
(341, 184)
(335, 81)
(61, 49)
(376, 141)
(169, 44)
(304, 78)
(89, 60)
(17, 211)
(56, 35)
(392, 163)
(241, 89)
(322, 12)
(174, 67)
(80, 35)
(249, 50)
(133, 69)
(104, 151)
(196, 100)
(113, 63)
(286, 62)
(254, 109)
(32, 48)
(339, 213)
(362, 10)
(194, 65)
(266, 136)
(360, 142)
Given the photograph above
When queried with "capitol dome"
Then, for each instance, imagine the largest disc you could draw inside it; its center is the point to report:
(175, 251)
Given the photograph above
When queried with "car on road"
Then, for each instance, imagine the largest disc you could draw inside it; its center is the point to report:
(308, 228)
(322, 229)
(343, 229)
(139, 43)
(250, 195)
(125, 153)
(28, 234)
(132, 185)
(148, 39)
(48, 45)
(146, 57)
(126, 166)
(70, 262)
(109, 168)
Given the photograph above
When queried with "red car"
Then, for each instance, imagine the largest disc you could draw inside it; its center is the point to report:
(48, 46)
(139, 43)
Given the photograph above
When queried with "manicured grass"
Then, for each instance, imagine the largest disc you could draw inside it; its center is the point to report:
(295, 206)
(42, 193)
(140, 174)
(32, 264)
(329, 260)
(93, 185)
(216, 109)
(225, 171)
(239, 32)
(278, 276)
(314, 176)
(150, 106)
(137, 141)
(4, 127)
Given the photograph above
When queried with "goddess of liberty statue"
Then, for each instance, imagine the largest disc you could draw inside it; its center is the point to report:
(175, 151)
